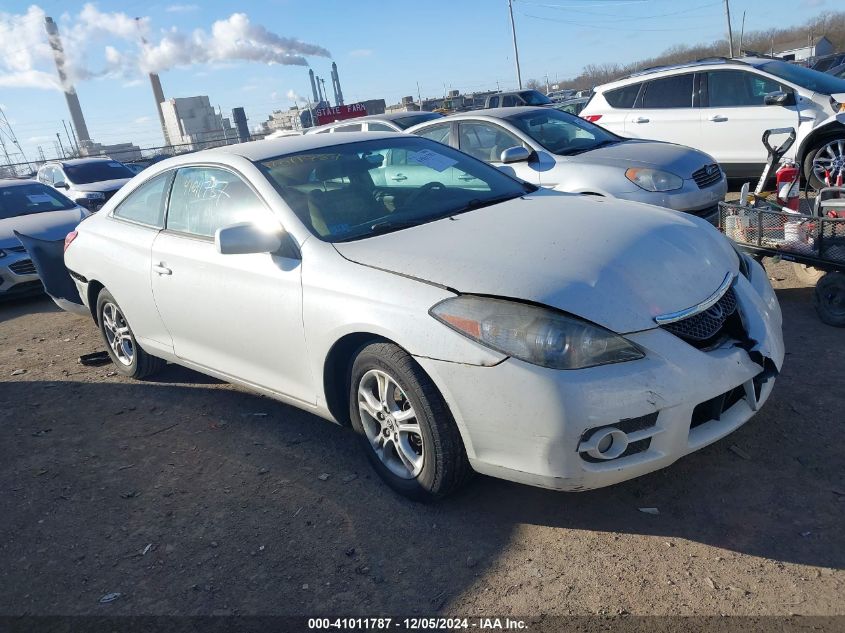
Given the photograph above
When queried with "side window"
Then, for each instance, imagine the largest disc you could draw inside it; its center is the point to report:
(44, 176)
(623, 97)
(669, 92)
(485, 141)
(494, 102)
(379, 127)
(509, 101)
(349, 128)
(58, 175)
(738, 88)
(439, 133)
(205, 199)
(146, 203)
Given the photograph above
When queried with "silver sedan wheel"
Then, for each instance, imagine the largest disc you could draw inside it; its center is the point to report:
(831, 159)
(117, 333)
(390, 424)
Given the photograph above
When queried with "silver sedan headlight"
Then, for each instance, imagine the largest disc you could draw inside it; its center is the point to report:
(537, 335)
(653, 179)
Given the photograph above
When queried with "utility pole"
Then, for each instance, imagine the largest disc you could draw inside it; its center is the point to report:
(419, 97)
(515, 49)
(61, 147)
(730, 32)
(741, 32)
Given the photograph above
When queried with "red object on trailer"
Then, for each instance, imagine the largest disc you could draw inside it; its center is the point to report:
(786, 179)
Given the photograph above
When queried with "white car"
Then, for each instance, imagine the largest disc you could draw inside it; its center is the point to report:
(723, 106)
(546, 338)
(389, 122)
(557, 150)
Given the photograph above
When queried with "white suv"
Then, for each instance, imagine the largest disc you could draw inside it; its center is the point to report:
(723, 106)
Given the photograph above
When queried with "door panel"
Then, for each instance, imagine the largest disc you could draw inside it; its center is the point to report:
(665, 112)
(735, 117)
(486, 141)
(237, 314)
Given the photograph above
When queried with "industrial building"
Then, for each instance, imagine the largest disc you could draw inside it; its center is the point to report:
(193, 123)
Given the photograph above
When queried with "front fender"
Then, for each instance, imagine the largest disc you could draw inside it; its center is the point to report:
(833, 125)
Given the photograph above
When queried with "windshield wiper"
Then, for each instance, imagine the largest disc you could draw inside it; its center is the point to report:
(478, 203)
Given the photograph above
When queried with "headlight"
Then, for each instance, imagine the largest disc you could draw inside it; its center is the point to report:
(541, 336)
(90, 195)
(654, 179)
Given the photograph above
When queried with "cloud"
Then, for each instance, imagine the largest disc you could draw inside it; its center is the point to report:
(142, 119)
(361, 52)
(181, 8)
(129, 47)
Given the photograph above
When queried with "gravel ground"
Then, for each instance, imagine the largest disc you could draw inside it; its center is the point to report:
(185, 495)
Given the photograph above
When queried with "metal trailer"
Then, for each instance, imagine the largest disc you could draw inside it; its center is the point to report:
(815, 243)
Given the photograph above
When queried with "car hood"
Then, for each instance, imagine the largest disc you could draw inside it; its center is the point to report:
(677, 159)
(103, 185)
(613, 262)
(47, 225)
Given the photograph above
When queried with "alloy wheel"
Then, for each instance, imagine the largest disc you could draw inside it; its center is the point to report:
(830, 159)
(390, 424)
(118, 335)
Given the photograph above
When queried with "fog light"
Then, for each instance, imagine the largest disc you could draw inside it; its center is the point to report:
(606, 443)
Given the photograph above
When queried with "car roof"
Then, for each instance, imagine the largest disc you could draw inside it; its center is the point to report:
(12, 182)
(72, 162)
(698, 63)
(391, 116)
(270, 148)
(492, 113)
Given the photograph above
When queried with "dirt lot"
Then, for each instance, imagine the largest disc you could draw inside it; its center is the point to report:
(190, 496)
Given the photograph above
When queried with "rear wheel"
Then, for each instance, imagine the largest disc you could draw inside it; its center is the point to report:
(404, 424)
(128, 357)
(830, 299)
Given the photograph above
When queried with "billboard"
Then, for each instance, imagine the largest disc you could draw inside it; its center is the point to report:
(339, 113)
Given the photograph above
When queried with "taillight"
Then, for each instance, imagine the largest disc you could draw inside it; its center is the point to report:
(69, 239)
(592, 118)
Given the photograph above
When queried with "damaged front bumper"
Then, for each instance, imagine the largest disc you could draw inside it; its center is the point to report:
(546, 427)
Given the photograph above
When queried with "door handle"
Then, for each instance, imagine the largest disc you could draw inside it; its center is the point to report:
(399, 178)
(641, 119)
(161, 270)
(718, 118)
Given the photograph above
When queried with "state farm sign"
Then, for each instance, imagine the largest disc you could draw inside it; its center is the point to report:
(339, 113)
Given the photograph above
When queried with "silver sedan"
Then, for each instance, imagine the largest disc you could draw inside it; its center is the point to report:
(556, 150)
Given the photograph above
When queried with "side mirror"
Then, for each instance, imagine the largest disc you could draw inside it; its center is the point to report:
(61, 184)
(515, 154)
(245, 238)
(778, 98)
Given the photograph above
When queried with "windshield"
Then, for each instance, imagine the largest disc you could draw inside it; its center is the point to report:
(17, 200)
(533, 97)
(804, 77)
(562, 133)
(407, 121)
(356, 190)
(85, 173)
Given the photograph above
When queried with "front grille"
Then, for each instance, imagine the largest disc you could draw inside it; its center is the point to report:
(704, 326)
(23, 267)
(707, 175)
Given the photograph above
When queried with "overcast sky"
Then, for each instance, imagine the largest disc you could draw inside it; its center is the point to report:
(382, 50)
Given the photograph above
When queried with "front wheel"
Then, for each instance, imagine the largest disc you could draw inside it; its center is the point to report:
(830, 299)
(128, 357)
(827, 157)
(404, 424)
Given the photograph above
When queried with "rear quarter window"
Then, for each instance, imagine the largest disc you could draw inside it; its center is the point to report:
(623, 97)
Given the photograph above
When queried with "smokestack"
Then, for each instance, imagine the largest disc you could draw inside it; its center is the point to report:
(70, 93)
(239, 117)
(338, 93)
(313, 85)
(158, 94)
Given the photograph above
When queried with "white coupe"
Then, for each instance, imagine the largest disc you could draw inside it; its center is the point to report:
(468, 322)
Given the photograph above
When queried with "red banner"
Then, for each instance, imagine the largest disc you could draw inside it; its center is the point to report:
(339, 113)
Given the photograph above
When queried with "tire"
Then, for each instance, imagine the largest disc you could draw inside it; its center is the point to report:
(807, 274)
(423, 465)
(829, 299)
(128, 357)
(807, 167)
